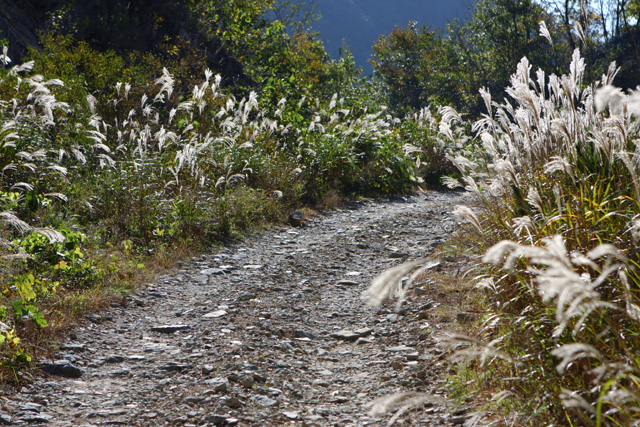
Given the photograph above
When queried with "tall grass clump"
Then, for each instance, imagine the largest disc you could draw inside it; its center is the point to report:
(559, 201)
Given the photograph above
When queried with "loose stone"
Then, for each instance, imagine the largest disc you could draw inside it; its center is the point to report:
(114, 359)
(232, 402)
(216, 419)
(295, 218)
(264, 401)
(219, 384)
(169, 329)
(62, 368)
(215, 314)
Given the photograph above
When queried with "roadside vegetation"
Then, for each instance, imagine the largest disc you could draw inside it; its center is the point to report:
(106, 181)
(116, 159)
(559, 204)
(555, 170)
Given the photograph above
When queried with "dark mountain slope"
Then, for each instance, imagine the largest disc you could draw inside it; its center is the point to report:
(361, 22)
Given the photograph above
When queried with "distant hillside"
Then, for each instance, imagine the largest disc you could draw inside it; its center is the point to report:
(361, 22)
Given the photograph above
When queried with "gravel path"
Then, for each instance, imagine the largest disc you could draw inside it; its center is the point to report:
(270, 331)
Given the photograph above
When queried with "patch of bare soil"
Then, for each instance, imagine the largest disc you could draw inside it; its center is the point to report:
(270, 331)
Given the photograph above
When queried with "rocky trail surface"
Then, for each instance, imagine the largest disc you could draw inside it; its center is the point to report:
(269, 331)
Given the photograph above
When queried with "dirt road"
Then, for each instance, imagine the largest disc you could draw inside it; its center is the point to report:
(270, 331)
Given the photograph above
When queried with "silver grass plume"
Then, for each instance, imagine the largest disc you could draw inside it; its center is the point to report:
(389, 284)
(13, 221)
(466, 213)
(4, 58)
(400, 401)
(575, 294)
(544, 32)
(476, 349)
(569, 353)
(166, 81)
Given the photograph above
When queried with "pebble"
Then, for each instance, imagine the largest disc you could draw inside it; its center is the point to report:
(216, 419)
(200, 279)
(232, 402)
(243, 380)
(321, 352)
(169, 329)
(6, 420)
(458, 420)
(295, 218)
(121, 373)
(193, 399)
(211, 271)
(136, 357)
(274, 391)
(419, 291)
(399, 348)
(215, 314)
(246, 297)
(291, 415)
(74, 348)
(37, 418)
(345, 335)
(62, 368)
(175, 367)
(114, 359)
(220, 385)
(304, 333)
(264, 401)
(398, 255)
(350, 335)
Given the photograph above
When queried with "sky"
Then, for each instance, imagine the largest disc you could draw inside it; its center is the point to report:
(361, 22)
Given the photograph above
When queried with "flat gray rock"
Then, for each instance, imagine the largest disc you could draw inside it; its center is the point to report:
(215, 314)
(62, 368)
(400, 348)
(218, 384)
(114, 359)
(6, 420)
(232, 402)
(212, 271)
(200, 279)
(74, 348)
(175, 367)
(291, 415)
(349, 335)
(169, 329)
(264, 401)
